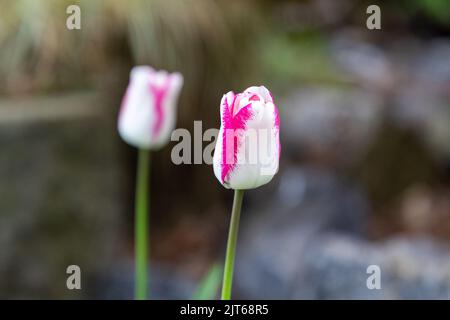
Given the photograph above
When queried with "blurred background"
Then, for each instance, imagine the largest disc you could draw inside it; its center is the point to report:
(365, 167)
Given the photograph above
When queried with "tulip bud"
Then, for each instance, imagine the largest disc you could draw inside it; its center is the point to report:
(247, 149)
(148, 111)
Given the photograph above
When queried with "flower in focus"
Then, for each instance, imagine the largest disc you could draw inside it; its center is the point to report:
(148, 111)
(247, 149)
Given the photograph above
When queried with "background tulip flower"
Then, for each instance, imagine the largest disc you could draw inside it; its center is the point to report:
(246, 155)
(148, 111)
(146, 121)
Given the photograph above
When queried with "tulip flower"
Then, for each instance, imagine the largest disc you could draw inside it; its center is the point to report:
(246, 155)
(249, 124)
(148, 111)
(146, 120)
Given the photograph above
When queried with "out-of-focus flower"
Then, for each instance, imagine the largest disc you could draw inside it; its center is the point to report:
(148, 112)
(248, 148)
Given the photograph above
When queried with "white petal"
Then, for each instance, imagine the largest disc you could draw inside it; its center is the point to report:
(141, 73)
(261, 91)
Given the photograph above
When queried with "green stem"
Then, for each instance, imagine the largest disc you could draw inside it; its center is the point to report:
(231, 245)
(141, 225)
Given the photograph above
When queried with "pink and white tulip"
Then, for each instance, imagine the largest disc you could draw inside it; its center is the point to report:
(247, 149)
(148, 111)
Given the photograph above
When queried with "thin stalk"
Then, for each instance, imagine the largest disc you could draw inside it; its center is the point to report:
(141, 225)
(231, 245)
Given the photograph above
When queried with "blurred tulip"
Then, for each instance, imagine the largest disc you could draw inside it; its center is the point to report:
(148, 112)
(146, 121)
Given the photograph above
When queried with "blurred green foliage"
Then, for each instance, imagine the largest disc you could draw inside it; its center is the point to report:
(214, 43)
(193, 36)
(436, 9)
(297, 58)
(209, 285)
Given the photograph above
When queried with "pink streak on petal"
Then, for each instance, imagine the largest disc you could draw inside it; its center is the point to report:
(226, 121)
(277, 127)
(254, 97)
(159, 93)
(231, 122)
(277, 118)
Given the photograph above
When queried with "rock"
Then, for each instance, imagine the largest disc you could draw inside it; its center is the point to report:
(432, 63)
(274, 238)
(164, 283)
(424, 210)
(362, 62)
(310, 244)
(331, 124)
(421, 100)
(336, 266)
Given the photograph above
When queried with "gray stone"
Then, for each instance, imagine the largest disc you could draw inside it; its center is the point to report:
(336, 266)
(274, 238)
(163, 283)
(362, 62)
(328, 123)
(307, 241)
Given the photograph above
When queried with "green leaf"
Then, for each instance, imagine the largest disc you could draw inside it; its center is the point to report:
(209, 286)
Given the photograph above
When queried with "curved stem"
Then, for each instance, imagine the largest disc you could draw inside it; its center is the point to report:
(231, 245)
(141, 225)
